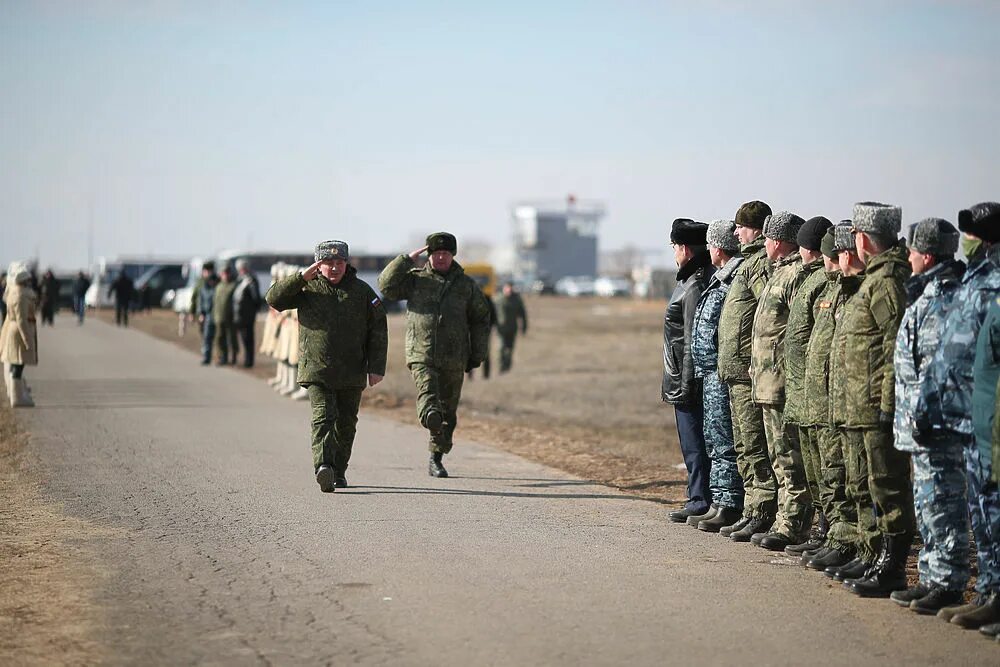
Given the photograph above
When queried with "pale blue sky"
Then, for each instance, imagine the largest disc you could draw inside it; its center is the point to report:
(198, 126)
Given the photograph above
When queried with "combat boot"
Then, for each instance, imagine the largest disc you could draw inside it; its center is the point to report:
(695, 519)
(340, 480)
(992, 630)
(850, 570)
(889, 573)
(986, 614)
(808, 556)
(756, 525)
(725, 517)
(324, 477)
(816, 539)
(776, 542)
(937, 599)
(434, 422)
(948, 613)
(904, 598)
(435, 468)
(833, 557)
(681, 515)
(727, 531)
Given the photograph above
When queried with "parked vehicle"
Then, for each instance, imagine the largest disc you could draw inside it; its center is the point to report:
(157, 281)
(611, 287)
(575, 286)
(105, 273)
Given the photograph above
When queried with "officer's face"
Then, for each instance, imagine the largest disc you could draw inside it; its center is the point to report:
(682, 254)
(920, 262)
(333, 270)
(772, 248)
(746, 234)
(441, 261)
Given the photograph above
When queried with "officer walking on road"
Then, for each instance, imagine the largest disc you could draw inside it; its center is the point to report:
(510, 315)
(447, 334)
(123, 289)
(343, 343)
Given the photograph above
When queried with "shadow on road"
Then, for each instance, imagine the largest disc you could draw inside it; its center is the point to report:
(376, 490)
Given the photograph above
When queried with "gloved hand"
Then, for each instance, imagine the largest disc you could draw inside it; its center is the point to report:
(886, 420)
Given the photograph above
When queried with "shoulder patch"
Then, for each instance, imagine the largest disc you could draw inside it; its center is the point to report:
(883, 311)
(376, 302)
(825, 303)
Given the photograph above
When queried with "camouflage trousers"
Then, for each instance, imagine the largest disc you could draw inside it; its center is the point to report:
(841, 512)
(438, 389)
(759, 485)
(812, 463)
(888, 509)
(334, 424)
(724, 479)
(984, 510)
(939, 495)
(794, 516)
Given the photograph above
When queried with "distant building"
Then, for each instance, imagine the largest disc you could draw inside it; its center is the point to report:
(553, 240)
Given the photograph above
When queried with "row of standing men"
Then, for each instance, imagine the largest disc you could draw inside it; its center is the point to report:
(838, 372)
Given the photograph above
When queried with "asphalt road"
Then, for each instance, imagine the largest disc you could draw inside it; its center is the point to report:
(222, 550)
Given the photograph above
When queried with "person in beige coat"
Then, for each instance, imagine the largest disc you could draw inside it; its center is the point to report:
(19, 334)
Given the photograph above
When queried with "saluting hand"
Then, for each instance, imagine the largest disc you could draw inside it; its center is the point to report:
(415, 255)
(311, 271)
(374, 379)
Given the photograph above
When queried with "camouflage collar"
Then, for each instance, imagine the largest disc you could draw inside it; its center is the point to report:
(748, 249)
(893, 258)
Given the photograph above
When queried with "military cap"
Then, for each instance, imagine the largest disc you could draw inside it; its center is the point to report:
(442, 241)
(826, 246)
(934, 236)
(982, 221)
(811, 233)
(685, 231)
(208, 266)
(332, 250)
(783, 226)
(752, 214)
(721, 235)
(880, 220)
(843, 239)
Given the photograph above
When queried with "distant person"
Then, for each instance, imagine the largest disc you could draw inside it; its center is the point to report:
(487, 366)
(202, 308)
(246, 303)
(343, 343)
(80, 286)
(222, 311)
(510, 316)
(3, 304)
(123, 289)
(19, 335)
(447, 332)
(48, 297)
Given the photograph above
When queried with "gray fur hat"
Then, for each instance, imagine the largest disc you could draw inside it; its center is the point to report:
(332, 250)
(722, 235)
(843, 239)
(934, 236)
(783, 226)
(877, 219)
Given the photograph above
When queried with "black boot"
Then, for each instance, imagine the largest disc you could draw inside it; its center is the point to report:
(759, 524)
(727, 531)
(324, 477)
(434, 467)
(434, 422)
(817, 536)
(889, 573)
(695, 519)
(726, 516)
(992, 630)
(904, 598)
(987, 613)
(936, 600)
(681, 515)
(340, 480)
(850, 570)
(833, 557)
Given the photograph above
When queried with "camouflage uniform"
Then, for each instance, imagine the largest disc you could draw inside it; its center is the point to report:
(724, 479)
(510, 312)
(938, 472)
(225, 326)
(447, 332)
(801, 316)
(735, 336)
(945, 409)
(868, 333)
(342, 339)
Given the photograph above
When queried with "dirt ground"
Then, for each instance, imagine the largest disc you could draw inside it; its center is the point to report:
(47, 613)
(583, 395)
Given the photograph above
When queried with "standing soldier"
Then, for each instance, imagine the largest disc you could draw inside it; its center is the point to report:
(342, 349)
(80, 286)
(447, 332)
(510, 313)
(767, 373)
(48, 297)
(946, 407)
(222, 314)
(123, 290)
(870, 324)
(246, 303)
(724, 480)
(812, 281)
(735, 338)
(202, 301)
(680, 388)
(938, 472)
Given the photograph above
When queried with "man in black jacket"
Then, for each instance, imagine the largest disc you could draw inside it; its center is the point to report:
(246, 303)
(680, 387)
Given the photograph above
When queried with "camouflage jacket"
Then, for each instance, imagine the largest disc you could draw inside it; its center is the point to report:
(985, 373)
(945, 399)
(836, 381)
(801, 316)
(342, 328)
(203, 295)
(510, 311)
(920, 332)
(870, 323)
(767, 359)
(447, 316)
(222, 302)
(705, 339)
(736, 321)
(679, 386)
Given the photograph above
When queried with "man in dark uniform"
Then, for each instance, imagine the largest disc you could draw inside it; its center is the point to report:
(123, 289)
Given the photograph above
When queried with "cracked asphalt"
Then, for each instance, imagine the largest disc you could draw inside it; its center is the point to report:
(222, 550)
